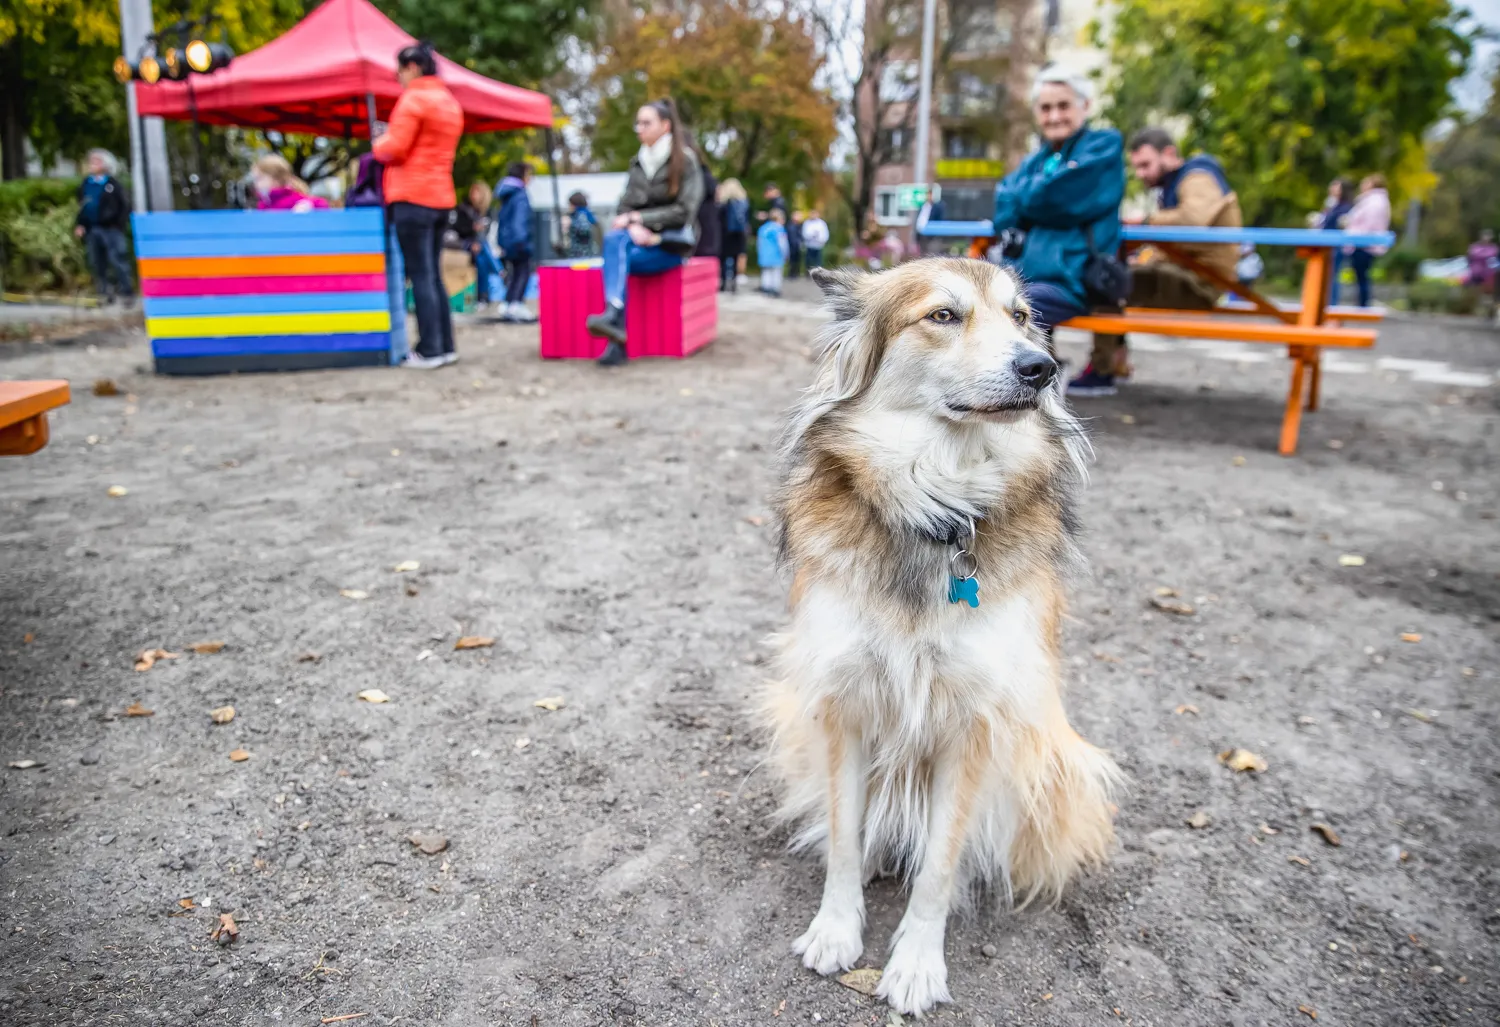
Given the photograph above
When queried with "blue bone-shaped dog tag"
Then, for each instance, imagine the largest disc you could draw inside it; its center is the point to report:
(963, 590)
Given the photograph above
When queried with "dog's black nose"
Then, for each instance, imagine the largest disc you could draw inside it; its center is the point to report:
(1035, 368)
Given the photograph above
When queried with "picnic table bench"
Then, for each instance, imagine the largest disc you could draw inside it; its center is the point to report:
(23, 414)
(1304, 328)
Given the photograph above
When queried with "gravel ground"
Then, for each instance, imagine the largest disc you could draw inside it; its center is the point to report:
(611, 862)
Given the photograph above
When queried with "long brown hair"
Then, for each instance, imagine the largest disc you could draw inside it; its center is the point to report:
(667, 110)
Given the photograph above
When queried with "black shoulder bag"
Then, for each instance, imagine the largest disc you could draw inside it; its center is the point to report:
(1106, 279)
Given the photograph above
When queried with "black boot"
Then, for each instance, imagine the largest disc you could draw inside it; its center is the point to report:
(614, 355)
(609, 325)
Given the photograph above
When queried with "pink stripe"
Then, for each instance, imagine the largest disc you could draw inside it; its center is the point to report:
(261, 285)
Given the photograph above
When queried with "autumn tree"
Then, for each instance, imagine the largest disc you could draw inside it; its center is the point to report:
(1291, 93)
(744, 76)
(1467, 197)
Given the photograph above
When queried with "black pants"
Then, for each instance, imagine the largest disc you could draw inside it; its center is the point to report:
(1362, 261)
(517, 274)
(419, 230)
(107, 248)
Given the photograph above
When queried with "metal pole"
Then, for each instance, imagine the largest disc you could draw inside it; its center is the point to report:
(370, 114)
(151, 180)
(924, 93)
(556, 197)
(197, 176)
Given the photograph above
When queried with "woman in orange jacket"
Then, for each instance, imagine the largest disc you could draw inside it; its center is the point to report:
(418, 151)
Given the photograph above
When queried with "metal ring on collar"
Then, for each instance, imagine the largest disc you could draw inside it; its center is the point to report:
(963, 565)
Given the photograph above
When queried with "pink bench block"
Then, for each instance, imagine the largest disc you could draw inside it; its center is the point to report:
(667, 315)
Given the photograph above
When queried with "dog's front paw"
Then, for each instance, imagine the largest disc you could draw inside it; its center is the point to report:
(915, 978)
(832, 943)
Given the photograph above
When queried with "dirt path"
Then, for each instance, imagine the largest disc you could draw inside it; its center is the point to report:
(611, 862)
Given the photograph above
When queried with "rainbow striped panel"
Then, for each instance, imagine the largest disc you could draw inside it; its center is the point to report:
(231, 290)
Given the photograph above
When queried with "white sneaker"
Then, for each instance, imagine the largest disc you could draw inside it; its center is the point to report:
(521, 314)
(417, 362)
(449, 358)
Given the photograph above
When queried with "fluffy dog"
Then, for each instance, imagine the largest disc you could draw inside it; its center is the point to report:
(918, 733)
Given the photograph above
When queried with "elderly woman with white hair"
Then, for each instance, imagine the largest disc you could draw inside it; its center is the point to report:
(103, 210)
(1059, 212)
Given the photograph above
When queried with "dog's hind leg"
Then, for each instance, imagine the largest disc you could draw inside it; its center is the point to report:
(835, 939)
(916, 976)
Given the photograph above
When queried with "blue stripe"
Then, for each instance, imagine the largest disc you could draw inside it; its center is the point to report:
(1314, 237)
(261, 245)
(214, 223)
(279, 303)
(270, 344)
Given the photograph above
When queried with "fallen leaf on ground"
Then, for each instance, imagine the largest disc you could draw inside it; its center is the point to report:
(309, 657)
(1351, 560)
(432, 844)
(1047, 997)
(864, 980)
(135, 709)
(1199, 820)
(474, 642)
(341, 1017)
(1242, 760)
(1309, 1010)
(373, 695)
(1106, 658)
(780, 1006)
(148, 657)
(407, 565)
(239, 755)
(552, 702)
(105, 387)
(756, 520)
(1186, 707)
(29, 638)
(1127, 418)
(222, 715)
(1423, 716)
(354, 593)
(186, 903)
(522, 743)
(1299, 860)
(117, 491)
(1166, 592)
(412, 590)
(1238, 461)
(1268, 829)
(1181, 609)
(1329, 834)
(226, 931)
(1410, 636)
(25, 764)
(207, 648)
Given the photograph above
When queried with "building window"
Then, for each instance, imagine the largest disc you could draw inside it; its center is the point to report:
(888, 209)
(894, 146)
(969, 96)
(964, 145)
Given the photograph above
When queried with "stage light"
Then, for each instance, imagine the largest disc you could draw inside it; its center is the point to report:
(205, 57)
(149, 70)
(123, 71)
(174, 65)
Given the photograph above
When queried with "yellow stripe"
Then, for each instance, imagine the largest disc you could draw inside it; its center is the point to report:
(268, 324)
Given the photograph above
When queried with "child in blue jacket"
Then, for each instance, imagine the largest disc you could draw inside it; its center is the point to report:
(771, 249)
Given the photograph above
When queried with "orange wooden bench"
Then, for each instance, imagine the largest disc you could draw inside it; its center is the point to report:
(23, 414)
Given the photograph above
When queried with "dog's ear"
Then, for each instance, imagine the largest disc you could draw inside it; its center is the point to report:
(849, 343)
(839, 289)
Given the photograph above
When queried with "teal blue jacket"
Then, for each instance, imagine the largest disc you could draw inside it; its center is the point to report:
(1053, 195)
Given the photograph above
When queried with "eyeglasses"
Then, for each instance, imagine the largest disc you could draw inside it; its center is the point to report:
(1060, 107)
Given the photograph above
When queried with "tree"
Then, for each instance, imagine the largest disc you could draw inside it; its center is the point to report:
(519, 43)
(743, 77)
(1467, 163)
(1291, 93)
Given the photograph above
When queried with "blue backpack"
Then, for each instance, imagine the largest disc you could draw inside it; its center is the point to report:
(737, 216)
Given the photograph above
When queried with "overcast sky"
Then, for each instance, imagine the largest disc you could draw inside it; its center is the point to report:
(1474, 89)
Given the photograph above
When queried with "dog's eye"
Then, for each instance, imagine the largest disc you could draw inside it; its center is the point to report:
(942, 316)
(1020, 317)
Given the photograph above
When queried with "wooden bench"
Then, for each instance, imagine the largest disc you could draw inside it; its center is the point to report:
(23, 414)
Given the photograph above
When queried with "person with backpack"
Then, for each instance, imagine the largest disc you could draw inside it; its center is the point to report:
(734, 217)
(103, 213)
(581, 227)
(513, 235)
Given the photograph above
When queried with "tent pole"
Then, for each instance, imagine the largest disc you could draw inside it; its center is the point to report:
(556, 197)
(370, 114)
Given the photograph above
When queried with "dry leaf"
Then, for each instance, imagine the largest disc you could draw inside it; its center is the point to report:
(1309, 1010)
(406, 565)
(186, 903)
(1186, 707)
(552, 702)
(432, 844)
(117, 491)
(1423, 716)
(1329, 834)
(1199, 820)
(755, 519)
(1299, 860)
(373, 695)
(227, 930)
(207, 648)
(1127, 418)
(864, 980)
(309, 657)
(105, 387)
(1268, 829)
(222, 715)
(1242, 760)
(522, 743)
(354, 593)
(239, 755)
(135, 709)
(25, 764)
(1351, 560)
(474, 642)
(412, 590)
(341, 1017)
(780, 1006)
(1181, 609)
(1410, 636)
(1166, 592)
(1238, 461)
(1047, 997)
(29, 638)
(148, 657)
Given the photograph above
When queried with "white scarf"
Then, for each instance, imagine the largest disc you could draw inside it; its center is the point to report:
(652, 157)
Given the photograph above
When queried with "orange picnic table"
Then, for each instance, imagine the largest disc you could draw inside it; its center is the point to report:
(23, 414)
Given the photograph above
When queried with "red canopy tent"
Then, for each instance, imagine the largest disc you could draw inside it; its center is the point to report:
(320, 76)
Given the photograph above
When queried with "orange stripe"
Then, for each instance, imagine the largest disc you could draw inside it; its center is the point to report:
(227, 267)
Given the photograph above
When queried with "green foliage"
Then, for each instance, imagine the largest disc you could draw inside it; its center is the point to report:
(515, 42)
(36, 234)
(1291, 93)
(1467, 199)
(1402, 263)
(1442, 297)
(35, 195)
